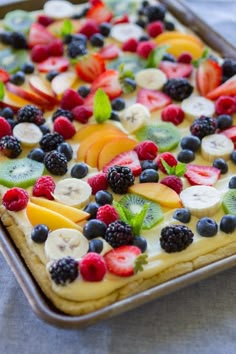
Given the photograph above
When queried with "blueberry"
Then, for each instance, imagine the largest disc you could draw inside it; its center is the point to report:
(105, 29)
(232, 182)
(39, 233)
(169, 26)
(182, 215)
(7, 112)
(148, 175)
(95, 245)
(186, 156)
(129, 85)
(44, 129)
(80, 37)
(144, 38)
(36, 154)
(6, 38)
(79, 170)
(207, 227)
(97, 40)
(228, 224)
(66, 149)
(18, 78)
(141, 22)
(169, 57)
(140, 242)
(27, 68)
(221, 164)
(94, 228)
(12, 122)
(118, 104)
(148, 164)
(233, 156)
(224, 121)
(190, 142)
(103, 197)
(67, 38)
(114, 116)
(51, 74)
(92, 209)
(83, 91)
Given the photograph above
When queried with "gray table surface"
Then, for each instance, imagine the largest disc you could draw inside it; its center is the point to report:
(199, 319)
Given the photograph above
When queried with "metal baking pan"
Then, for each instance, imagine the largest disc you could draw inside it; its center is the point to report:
(37, 300)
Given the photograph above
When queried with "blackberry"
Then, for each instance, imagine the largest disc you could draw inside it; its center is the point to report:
(18, 40)
(10, 146)
(62, 112)
(118, 233)
(50, 141)
(76, 48)
(155, 12)
(229, 68)
(120, 178)
(178, 89)
(175, 238)
(64, 271)
(56, 163)
(203, 126)
(29, 113)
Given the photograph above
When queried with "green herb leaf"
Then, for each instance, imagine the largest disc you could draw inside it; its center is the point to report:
(126, 77)
(156, 56)
(139, 262)
(178, 170)
(122, 211)
(2, 90)
(169, 170)
(67, 28)
(102, 106)
(197, 62)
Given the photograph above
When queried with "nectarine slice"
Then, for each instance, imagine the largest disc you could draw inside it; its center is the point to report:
(87, 130)
(13, 101)
(169, 35)
(177, 46)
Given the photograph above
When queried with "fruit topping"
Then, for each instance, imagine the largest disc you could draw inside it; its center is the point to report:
(208, 76)
(228, 88)
(183, 215)
(153, 100)
(173, 182)
(95, 245)
(98, 182)
(128, 159)
(175, 70)
(203, 126)
(228, 202)
(5, 127)
(64, 271)
(207, 227)
(120, 178)
(199, 174)
(10, 146)
(79, 170)
(44, 187)
(59, 64)
(90, 66)
(178, 89)
(108, 81)
(216, 146)
(50, 141)
(228, 224)
(232, 182)
(18, 20)
(39, 233)
(118, 233)
(94, 228)
(64, 127)
(148, 175)
(107, 213)
(173, 114)
(15, 199)
(176, 238)
(92, 267)
(56, 163)
(225, 105)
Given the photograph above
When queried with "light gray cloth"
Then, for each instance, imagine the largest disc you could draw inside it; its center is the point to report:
(200, 319)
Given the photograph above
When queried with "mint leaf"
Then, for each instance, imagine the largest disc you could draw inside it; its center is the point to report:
(139, 262)
(2, 90)
(197, 62)
(67, 28)
(102, 106)
(169, 170)
(177, 170)
(137, 220)
(156, 55)
(123, 212)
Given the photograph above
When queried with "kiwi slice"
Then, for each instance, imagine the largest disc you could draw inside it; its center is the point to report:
(18, 21)
(20, 173)
(134, 203)
(165, 135)
(11, 60)
(130, 61)
(229, 202)
(120, 7)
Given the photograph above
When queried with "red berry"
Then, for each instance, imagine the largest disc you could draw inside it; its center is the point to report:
(15, 199)
(145, 48)
(173, 113)
(5, 127)
(39, 53)
(56, 48)
(89, 28)
(44, 187)
(168, 158)
(121, 19)
(185, 58)
(146, 150)
(44, 20)
(130, 45)
(63, 126)
(82, 114)
(98, 182)
(173, 182)
(71, 99)
(107, 213)
(95, 2)
(92, 267)
(155, 28)
(225, 105)
(128, 159)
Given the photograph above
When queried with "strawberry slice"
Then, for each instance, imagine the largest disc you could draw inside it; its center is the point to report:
(129, 159)
(231, 134)
(202, 175)
(90, 66)
(228, 88)
(109, 83)
(153, 100)
(121, 260)
(175, 70)
(4, 76)
(100, 13)
(59, 64)
(38, 34)
(111, 51)
(208, 76)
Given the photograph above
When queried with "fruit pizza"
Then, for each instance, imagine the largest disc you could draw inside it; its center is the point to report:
(117, 149)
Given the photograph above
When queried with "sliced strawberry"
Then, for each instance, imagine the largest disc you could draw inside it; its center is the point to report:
(129, 159)
(38, 34)
(153, 100)
(100, 13)
(59, 64)
(231, 134)
(111, 51)
(202, 175)
(121, 19)
(227, 88)
(175, 70)
(90, 66)
(109, 83)
(4, 76)
(121, 260)
(208, 76)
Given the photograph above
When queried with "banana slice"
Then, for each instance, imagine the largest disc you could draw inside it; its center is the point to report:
(197, 106)
(64, 243)
(134, 117)
(201, 200)
(216, 146)
(58, 9)
(152, 79)
(124, 31)
(28, 134)
(73, 192)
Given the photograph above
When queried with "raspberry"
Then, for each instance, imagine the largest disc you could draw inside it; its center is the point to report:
(15, 199)
(155, 28)
(63, 126)
(44, 20)
(71, 99)
(39, 53)
(5, 127)
(176, 238)
(173, 182)
(98, 182)
(82, 114)
(168, 158)
(44, 187)
(107, 213)
(185, 58)
(173, 114)
(89, 28)
(146, 150)
(145, 48)
(225, 105)
(92, 267)
(10, 146)
(64, 271)
(130, 45)
(56, 48)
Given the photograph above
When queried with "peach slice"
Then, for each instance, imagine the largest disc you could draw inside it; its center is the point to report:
(180, 45)
(114, 148)
(74, 214)
(164, 37)
(13, 101)
(87, 130)
(62, 82)
(42, 88)
(40, 215)
(157, 192)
